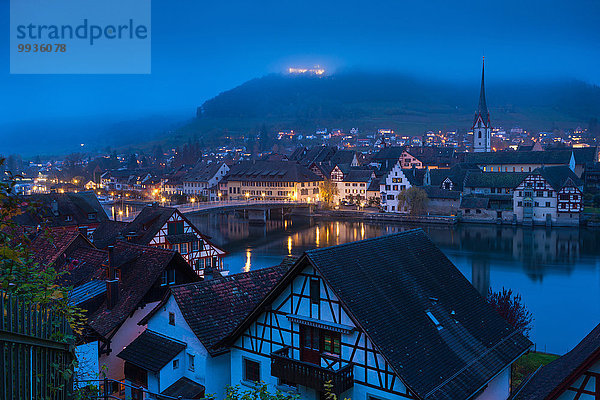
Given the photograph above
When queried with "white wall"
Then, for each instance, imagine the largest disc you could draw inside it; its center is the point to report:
(211, 372)
(87, 360)
(498, 388)
(125, 335)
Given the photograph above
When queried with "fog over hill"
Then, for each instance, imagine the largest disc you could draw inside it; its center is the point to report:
(407, 103)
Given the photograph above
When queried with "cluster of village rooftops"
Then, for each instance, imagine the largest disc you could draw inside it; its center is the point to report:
(383, 318)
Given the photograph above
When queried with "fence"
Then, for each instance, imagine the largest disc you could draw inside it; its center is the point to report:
(32, 354)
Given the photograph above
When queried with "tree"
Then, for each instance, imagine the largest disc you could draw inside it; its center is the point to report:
(511, 307)
(328, 191)
(22, 276)
(415, 198)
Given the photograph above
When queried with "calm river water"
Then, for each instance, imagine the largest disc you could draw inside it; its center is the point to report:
(557, 272)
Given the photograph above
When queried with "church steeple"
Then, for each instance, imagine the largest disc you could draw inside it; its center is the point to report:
(482, 110)
(482, 139)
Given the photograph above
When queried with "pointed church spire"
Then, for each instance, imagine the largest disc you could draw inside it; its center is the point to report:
(483, 110)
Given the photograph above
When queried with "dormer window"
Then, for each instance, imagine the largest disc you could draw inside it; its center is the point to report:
(92, 216)
(68, 218)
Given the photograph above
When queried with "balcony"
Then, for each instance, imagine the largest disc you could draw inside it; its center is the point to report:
(310, 375)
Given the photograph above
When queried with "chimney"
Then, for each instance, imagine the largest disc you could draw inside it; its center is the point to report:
(208, 274)
(112, 283)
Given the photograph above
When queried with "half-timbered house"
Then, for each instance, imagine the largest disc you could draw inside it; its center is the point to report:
(576, 375)
(550, 195)
(186, 327)
(167, 228)
(377, 325)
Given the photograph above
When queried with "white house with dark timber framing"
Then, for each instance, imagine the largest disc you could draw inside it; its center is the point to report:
(377, 326)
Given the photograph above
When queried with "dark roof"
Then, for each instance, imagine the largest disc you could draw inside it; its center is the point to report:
(184, 388)
(454, 362)
(358, 175)
(456, 174)
(521, 157)
(55, 207)
(82, 265)
(415, 175)
(214, 308)
(442, 157)
(147, 223)
(106, 232)
(141, 267)
(271, 171)
(560, 373)
(389, 153)
(151, 351)
(49, 246)
(586, 155)
(480, 179)
(474, 202)
(203, 172)
(434, 192)
(342, 157)
(559, 176)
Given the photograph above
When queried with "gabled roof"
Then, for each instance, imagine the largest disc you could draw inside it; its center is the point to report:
(388, 297)
(388, 153)
(141, 267)
(214, 308)
(106, 232)
(203, 172)
(271, 171)
(559, 176)
(551, 380)
(49, 246)
(55, 207)
(358, 175)
(151, 351)
(415, 175)
(184, 388)
(480, 179)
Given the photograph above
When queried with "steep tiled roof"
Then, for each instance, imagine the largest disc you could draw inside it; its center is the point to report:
(473, 344)
(358, 175)
(479, 179)
(559, 176)
(214, 308)
(106, 232)
(49, 246)
(271, 171)
(203, 172)
(389, 297)
(415, 175)
(55, 207)
(388, 153)
(141, 268)
(556, 376)
(151, 351)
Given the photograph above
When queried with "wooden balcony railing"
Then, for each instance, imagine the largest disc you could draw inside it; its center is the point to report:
(310, 375)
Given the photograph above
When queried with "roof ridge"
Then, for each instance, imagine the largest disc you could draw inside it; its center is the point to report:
(313, 251)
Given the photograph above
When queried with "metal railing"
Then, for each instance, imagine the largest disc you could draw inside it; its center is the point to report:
(34, 351)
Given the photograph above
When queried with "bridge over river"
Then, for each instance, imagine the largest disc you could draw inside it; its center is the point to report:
(255, 210)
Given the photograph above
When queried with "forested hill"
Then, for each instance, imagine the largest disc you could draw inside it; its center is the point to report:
(406, 103)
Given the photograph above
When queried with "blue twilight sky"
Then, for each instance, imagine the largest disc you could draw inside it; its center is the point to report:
(203, 47)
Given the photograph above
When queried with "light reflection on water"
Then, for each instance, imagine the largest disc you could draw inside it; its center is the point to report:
(557, 272)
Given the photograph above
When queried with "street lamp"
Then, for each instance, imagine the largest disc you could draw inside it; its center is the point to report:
(193, 200)
(247, 196)
(219, 195)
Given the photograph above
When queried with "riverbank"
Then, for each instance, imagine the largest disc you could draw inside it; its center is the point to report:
(385, 217)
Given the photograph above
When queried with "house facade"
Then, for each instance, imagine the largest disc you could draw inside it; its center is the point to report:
(203, 179)
(390, 186)
(551, 195)
(316, 326)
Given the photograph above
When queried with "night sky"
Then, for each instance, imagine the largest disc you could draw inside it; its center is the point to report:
(200, 48)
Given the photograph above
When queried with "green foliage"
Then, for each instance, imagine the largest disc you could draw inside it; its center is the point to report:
(415, 198)
(328, 190)
(259, 392)
(21, 275)
(527, 364)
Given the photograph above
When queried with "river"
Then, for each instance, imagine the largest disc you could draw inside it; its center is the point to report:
(556, 271)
